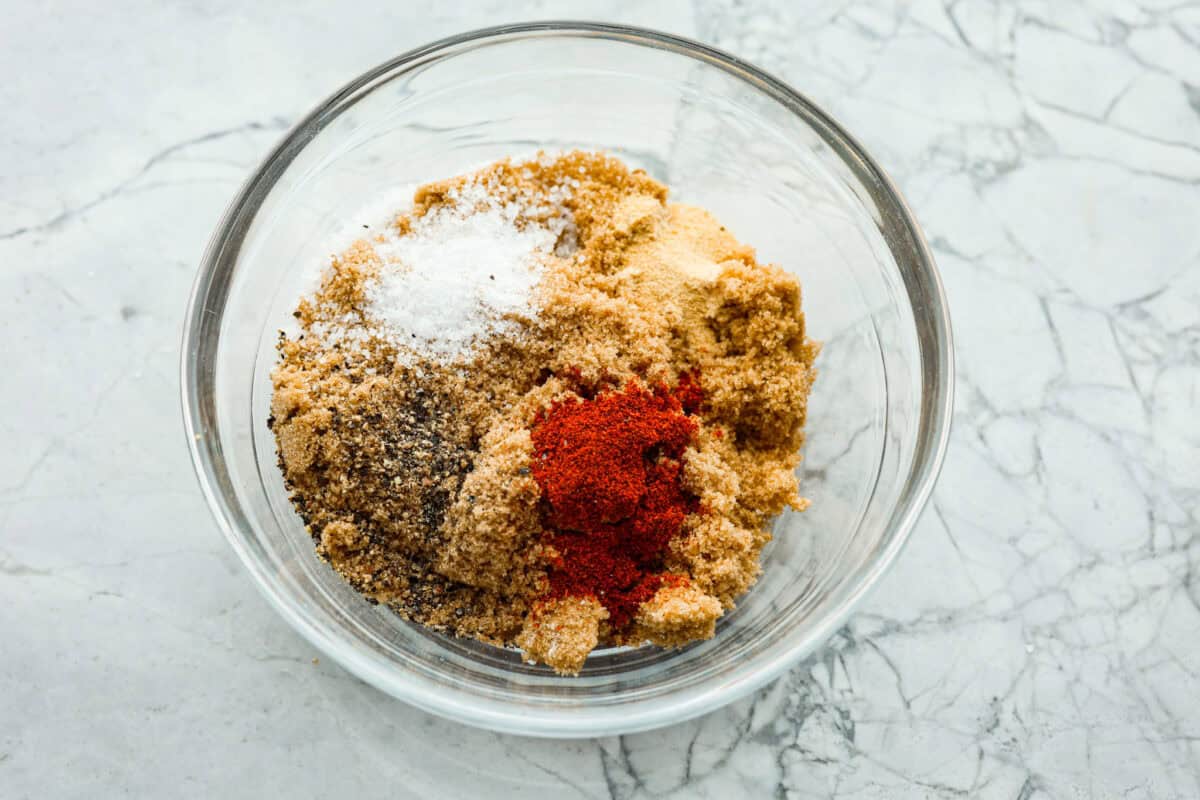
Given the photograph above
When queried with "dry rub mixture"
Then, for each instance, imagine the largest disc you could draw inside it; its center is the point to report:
(546, 408)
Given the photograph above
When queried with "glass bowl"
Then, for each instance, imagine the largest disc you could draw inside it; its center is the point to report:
(773, 167)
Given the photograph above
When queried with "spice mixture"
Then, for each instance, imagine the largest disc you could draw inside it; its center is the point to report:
(544, 407)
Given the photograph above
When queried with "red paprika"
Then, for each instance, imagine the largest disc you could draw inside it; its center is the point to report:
(609, 469)
(690, 395)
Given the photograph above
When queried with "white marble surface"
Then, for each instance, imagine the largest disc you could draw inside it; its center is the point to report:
(1040, 638)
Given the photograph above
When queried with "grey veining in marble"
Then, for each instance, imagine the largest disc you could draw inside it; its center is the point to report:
(1040, 637)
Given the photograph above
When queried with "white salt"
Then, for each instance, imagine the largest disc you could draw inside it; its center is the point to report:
(462, 272)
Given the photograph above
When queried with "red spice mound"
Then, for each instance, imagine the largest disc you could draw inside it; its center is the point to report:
(609, 471)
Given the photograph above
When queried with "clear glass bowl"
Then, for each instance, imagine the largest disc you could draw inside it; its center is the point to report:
(772, 166)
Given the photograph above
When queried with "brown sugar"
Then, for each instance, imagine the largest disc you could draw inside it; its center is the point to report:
(412, 469)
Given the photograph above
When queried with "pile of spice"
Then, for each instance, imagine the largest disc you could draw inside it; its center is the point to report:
(546, 408)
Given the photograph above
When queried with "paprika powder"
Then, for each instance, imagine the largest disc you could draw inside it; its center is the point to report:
(609, 467)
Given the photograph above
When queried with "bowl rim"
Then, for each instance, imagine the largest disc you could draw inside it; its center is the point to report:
(198, 352)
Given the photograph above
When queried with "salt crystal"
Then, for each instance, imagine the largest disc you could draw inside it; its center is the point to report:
(463, 270)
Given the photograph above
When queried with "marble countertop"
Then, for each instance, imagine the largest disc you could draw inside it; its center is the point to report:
(1052, 152)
